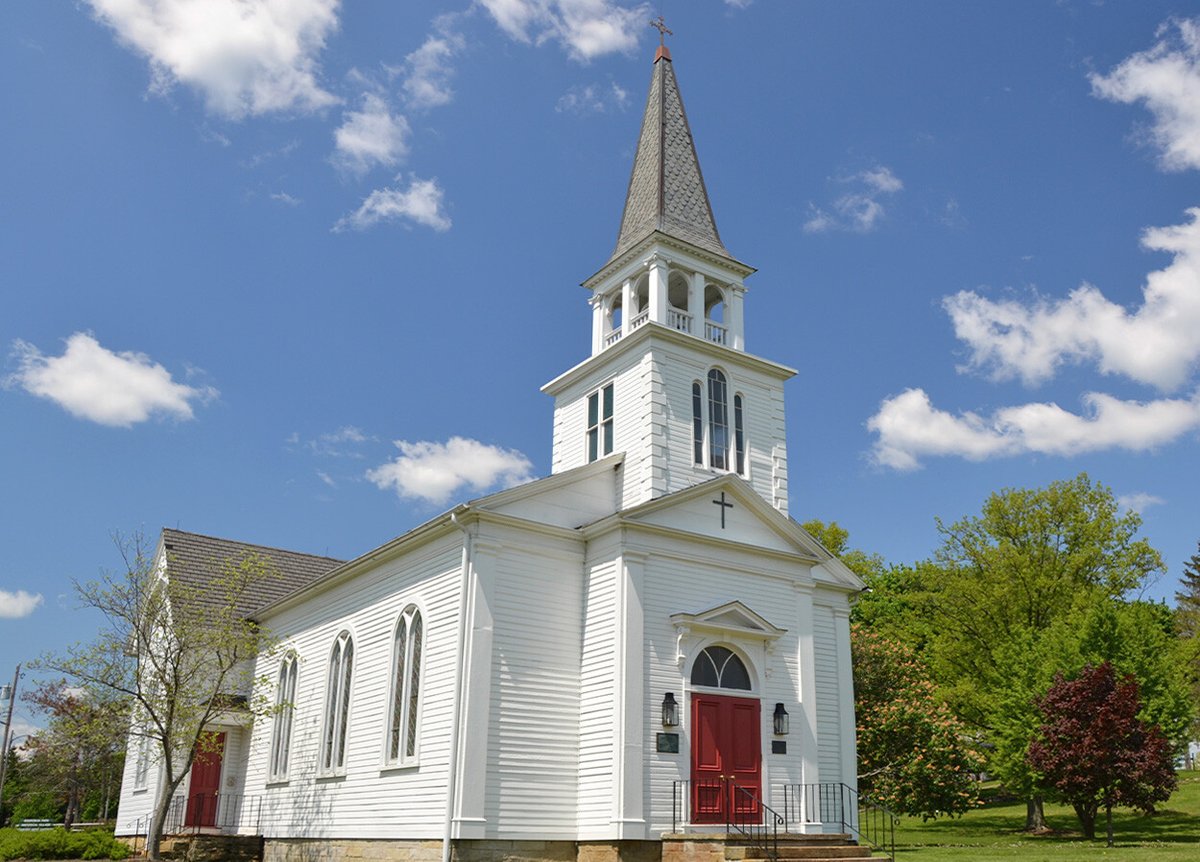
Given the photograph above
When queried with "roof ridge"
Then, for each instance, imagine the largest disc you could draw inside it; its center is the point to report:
(272, 548)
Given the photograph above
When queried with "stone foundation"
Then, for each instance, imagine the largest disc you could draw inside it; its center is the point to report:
(478, 850)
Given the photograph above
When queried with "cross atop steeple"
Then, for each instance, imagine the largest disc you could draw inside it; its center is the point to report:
(663, 32)
(661, 26)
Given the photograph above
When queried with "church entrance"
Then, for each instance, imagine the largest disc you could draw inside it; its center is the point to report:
(726, 759)
(206, 781)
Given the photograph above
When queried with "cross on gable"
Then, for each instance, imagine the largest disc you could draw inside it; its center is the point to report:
(724, 505)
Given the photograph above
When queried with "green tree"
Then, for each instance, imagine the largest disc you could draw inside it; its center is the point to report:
(179, 652)
(1004, 584)
(1187, 619)
(82, 747)
(914, 756)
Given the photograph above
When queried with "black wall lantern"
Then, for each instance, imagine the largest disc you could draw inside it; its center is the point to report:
(780, 719)
(670, 711)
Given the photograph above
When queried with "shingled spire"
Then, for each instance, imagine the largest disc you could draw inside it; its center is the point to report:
(666, 190)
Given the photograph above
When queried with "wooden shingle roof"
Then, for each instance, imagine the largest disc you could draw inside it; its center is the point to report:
(194, 560)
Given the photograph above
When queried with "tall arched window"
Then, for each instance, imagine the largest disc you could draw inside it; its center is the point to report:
(718, 421)
(697, 423)
(719, 667)
(285, 702)
(337, 704)
(406, 687)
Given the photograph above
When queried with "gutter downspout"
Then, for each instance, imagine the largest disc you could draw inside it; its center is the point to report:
(460, 668)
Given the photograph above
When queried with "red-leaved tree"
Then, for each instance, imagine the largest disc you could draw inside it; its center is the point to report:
(1094, 752)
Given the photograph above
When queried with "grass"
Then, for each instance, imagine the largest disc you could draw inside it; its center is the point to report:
(993, 833)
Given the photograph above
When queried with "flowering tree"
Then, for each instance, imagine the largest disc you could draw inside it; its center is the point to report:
(913, 755)
(1094, 751)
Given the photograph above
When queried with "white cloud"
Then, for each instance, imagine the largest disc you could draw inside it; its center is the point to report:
(433, 472)
(586, 28)
(861, 208)
(345, 442)
(910, 428)
(246, 57)
(13, 606)
(1159, 343)
(91, 382)
(421, 202)
(326, 478)
(1138, 502)
(285, 198)
(1167, 79)
(370, 137)
(427, 84)
(592, 99)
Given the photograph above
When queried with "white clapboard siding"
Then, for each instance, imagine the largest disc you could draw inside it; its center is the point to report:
(135, 805)
(570, 412)
(533, 734)
(829, 725)
(763, 415)
(597, 697)
(369, 800)
(674, 585)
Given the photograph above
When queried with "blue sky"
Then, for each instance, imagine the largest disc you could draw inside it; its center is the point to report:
(294, 272)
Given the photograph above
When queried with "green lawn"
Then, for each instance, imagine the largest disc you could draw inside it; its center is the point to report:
(993, 833)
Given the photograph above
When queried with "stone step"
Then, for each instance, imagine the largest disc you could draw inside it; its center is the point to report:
(808, 854)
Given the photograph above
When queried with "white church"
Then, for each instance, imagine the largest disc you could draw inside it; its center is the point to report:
(639, 649)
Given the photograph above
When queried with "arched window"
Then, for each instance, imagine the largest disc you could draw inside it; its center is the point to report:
(719, 667)
(285, 703)
(698, 423)
(739, 435)
(337, 703)
(718, 421)
(406, 687)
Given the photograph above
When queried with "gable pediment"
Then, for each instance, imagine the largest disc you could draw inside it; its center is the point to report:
(727, 509)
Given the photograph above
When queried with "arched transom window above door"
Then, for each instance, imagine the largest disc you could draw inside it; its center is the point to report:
(720, 667)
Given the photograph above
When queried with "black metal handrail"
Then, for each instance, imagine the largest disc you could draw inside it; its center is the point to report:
(723, 799)
(763, 830)
(223, 811)
(859, 816)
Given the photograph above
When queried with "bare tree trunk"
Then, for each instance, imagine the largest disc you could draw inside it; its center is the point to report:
(1087, 819)
(1035, 815)
(1108, 815)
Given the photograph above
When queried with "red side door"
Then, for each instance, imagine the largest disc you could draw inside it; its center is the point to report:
(206, 781)
(726, 759)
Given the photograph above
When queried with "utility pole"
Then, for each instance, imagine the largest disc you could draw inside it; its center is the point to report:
(12, 699)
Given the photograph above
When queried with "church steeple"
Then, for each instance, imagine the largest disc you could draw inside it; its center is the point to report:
(666, 189)
(669, 382)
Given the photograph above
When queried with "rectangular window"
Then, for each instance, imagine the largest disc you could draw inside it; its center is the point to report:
(600, 423)
(143, 764)
(739, 435)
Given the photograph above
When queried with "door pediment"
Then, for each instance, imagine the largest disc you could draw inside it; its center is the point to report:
(729, 619)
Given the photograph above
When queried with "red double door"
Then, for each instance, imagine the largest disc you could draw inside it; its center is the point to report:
(205, 783)
(726, 759)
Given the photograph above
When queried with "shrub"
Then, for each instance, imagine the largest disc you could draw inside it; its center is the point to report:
(58, 843)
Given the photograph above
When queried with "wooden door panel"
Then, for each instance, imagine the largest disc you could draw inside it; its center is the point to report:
(726, 756)
(205, 784)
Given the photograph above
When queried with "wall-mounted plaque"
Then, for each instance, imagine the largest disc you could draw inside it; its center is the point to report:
(668, 743)
(779, 746)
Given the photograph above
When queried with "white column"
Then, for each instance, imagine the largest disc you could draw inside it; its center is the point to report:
(629, 815)
(626, 306)
(470, 818)
(841, 626)
(696, 303)
(737, 336)
(804, 731)
(658, 290)
(597, 324)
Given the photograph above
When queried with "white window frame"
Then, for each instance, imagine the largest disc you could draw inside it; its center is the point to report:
(404, 704)
(703, 426)
(335, 733)
(285, 710)
(602, 430)
(141, 771)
